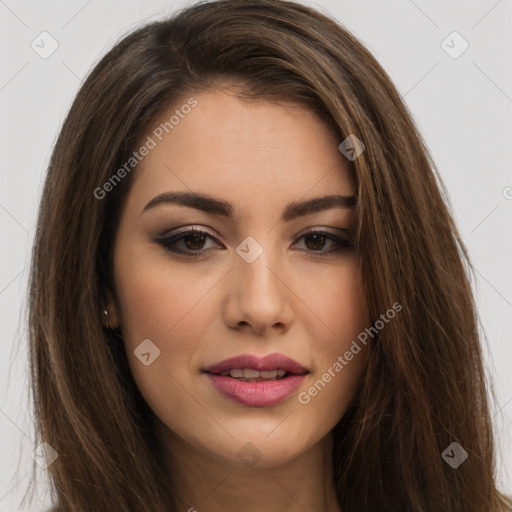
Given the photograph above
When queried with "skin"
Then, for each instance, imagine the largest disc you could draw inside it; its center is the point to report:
(199, 311)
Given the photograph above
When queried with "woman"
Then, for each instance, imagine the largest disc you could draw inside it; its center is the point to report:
(247, 290)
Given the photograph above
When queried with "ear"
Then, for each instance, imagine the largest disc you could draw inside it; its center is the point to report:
(112, 321)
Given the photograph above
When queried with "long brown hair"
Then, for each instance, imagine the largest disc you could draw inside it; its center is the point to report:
(424, 386)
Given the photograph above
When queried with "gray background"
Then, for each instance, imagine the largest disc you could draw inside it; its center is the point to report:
(463, 106)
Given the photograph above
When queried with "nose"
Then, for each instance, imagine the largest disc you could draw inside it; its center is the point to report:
(259, 296)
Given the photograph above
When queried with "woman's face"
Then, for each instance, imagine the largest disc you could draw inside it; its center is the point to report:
(255, 282)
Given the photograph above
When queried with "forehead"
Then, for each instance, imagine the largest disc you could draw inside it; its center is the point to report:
(245, 152)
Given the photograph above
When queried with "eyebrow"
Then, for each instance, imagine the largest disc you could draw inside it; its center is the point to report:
(213, 206)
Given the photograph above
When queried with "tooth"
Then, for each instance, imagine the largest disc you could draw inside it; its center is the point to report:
(250, 373)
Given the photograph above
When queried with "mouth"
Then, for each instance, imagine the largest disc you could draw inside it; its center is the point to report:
(251, 375)
(251, 368)
(257, 381)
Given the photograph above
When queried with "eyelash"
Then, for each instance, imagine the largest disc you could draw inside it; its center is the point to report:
(169, 242)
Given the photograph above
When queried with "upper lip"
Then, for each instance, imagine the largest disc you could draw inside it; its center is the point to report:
(269, 362)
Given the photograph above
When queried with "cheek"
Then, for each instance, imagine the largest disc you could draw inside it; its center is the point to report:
(159, 299)
(338, 301)
(170, 306)
(341, 309)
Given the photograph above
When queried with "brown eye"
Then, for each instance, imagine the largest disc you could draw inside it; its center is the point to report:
(315, 241)
(189, 242)
(194, 241)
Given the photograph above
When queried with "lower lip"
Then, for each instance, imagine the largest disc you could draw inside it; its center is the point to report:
(256, 394)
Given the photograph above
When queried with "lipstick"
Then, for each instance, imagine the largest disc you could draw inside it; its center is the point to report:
(257, 381)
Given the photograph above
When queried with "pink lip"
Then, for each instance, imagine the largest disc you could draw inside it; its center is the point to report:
(257, 394)
(269, 362)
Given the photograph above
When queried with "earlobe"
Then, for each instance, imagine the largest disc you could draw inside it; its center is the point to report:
(110, 315)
